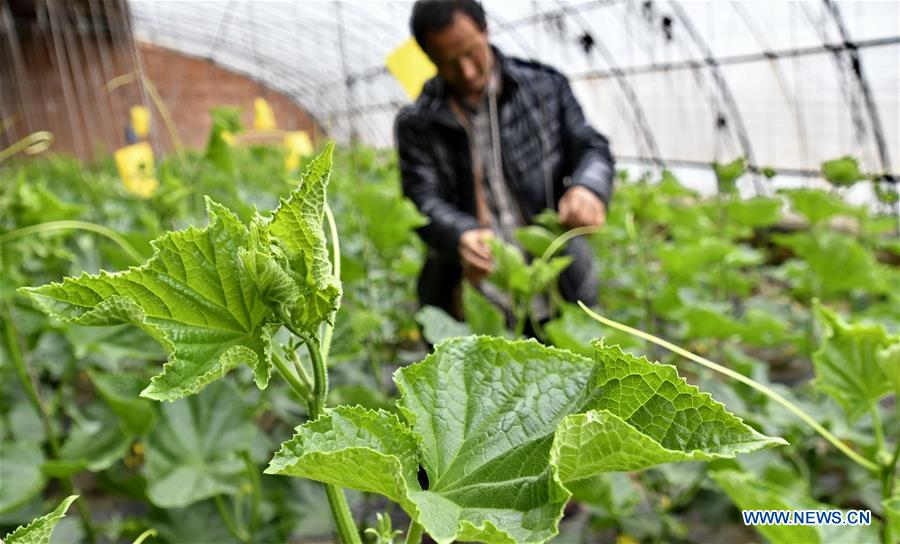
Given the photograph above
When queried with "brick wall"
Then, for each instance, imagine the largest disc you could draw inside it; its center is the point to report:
(56, 81)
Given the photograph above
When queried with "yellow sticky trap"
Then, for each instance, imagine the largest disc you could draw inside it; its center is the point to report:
(411, 66)
(263, 117)
(135, 165)
(296, 144)
(140, 121)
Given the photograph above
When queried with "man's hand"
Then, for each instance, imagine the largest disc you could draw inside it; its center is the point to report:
(580, 207)
(475, 254)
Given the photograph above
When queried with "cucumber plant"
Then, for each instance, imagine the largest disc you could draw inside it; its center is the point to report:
(500, 427)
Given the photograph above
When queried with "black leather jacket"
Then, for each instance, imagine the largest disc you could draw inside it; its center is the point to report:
(547, 145)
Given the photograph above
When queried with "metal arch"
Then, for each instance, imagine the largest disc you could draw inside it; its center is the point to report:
(871, 108)
(625, 86)
(724, 89)
(776, 67)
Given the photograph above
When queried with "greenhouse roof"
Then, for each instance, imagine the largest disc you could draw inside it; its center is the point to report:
(785, 84)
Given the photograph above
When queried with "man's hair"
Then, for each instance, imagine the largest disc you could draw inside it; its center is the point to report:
(436, 15)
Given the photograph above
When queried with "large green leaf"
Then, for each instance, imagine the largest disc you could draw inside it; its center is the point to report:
(500, 426)
(297, 224)
(40, 530)
(837, 262)
(754, 212)
(98, 440)
(815, 204)
(438, 325)
(847, 362)
(194, 296)
(193, 452)
(749, 492)
(390, 218)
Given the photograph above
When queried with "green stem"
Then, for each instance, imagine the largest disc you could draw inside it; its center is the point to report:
(791, 407)
(255, 493)
(563, 238)
(340, 511)
(34, 143)
(877, 427)
(145, 535)
(336, 269)
(645, 279)
(414, 534)
(229, 522)
(889, 479)
(320, 379)
(298, 387)
(11, 338)
(76, 225)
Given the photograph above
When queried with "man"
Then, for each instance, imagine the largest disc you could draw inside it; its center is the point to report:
(491, 142)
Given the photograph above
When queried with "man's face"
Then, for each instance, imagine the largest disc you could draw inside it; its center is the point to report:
(461, 54)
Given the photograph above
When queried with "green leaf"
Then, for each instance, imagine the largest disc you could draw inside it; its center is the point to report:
(535, 239)
(889, 361)
(121, 392)
(218, 151)
(574, 330)
(20, 474)
(40, 530)
(750, 492)
(193, 296)
(837, 262)
(754, 212)
(438, 325)
(511, 274)
(193, 452)
(847, 362)
(843, 171)
(482, 316)
(98, 442)
(390, 218)
(644, 414)
(816, 205)
(496, 425)
(727, 174)
(297, 225)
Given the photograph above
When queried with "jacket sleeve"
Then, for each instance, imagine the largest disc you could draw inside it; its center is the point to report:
(586, 149)
(421, 183)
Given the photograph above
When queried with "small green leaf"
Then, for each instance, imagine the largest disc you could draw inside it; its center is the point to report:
(40, 530)
(390, 218)
(121, 392)
(727, 174)
(511, 274)
(98, 440)
(482, 316)
(218, 152)
(193, 296)
(847, 362)
(838, 263)
(535, 239)
(297, 225)
(843, 171)
(754, 212)
(816, 205)
(499, 426)
(193, 452)
(438, 325)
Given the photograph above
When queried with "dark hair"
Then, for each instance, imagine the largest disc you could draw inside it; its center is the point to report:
(436, 15)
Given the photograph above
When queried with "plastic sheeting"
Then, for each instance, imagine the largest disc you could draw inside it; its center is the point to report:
(681, 84)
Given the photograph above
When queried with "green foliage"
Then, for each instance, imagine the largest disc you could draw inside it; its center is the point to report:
(843, 171)
(727, 174)
(501, 426)
(851, 362)
(218, 152)
(40, 530)
(20, 472)
(214, 296)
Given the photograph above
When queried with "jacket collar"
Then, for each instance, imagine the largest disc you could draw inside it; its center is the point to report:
(436, 94)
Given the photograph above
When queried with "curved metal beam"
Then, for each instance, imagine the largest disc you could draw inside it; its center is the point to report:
(637, 110)
(724, 89)
(857, 70)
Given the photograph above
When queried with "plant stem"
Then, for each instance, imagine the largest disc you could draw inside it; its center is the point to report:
(561, 240)
(15, 354)
(340, 511)
(282, 367)
(51, 226)
(229, 522)
(791, 407)
(414, 534)
(645, 279)
(876, 426)
(336, 269)
(145, 535)
(320, 379)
